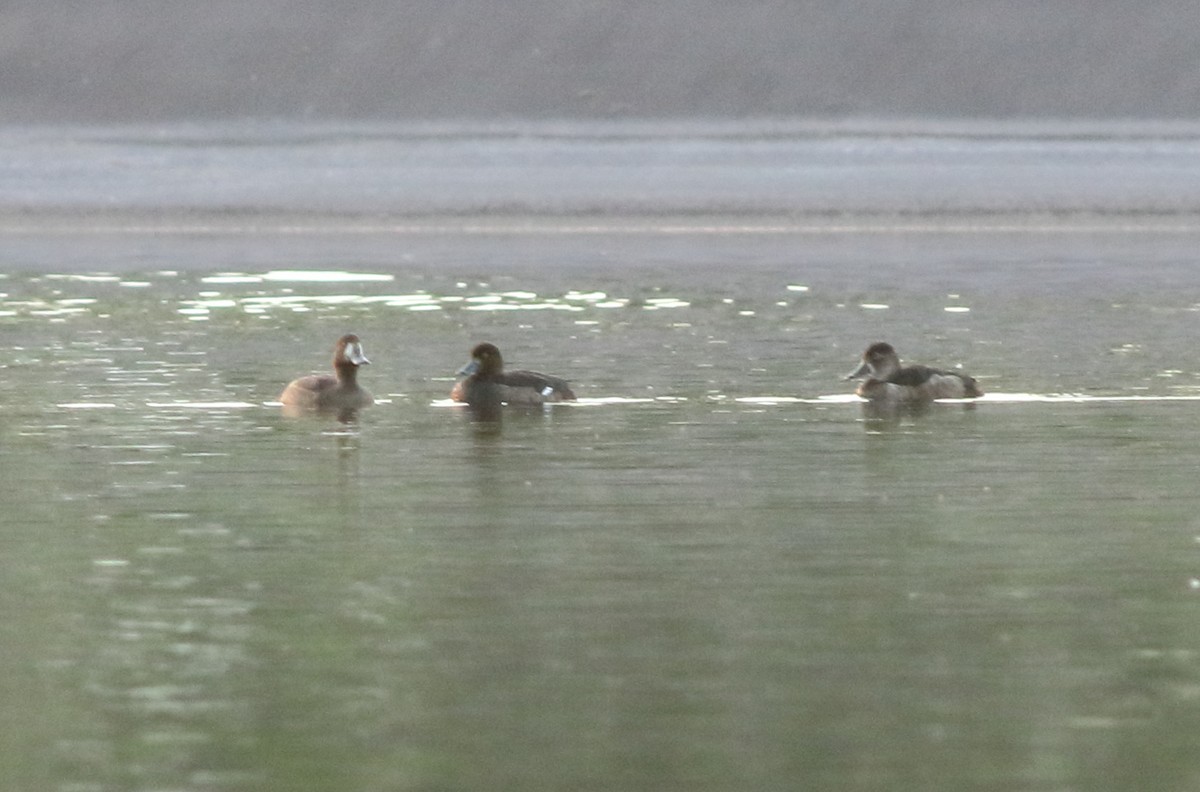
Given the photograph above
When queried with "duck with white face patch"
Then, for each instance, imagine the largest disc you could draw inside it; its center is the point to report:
(339, 392)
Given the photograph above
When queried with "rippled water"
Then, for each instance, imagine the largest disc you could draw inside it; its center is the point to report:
(711, 573)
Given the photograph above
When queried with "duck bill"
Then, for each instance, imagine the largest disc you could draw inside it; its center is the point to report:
(861, 372)
(469, 369)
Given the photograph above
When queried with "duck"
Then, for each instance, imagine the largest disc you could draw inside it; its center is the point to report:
(486, 385)
(885, 380)
(339, 392)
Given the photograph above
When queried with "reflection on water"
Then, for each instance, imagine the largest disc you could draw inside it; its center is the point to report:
(711, 572)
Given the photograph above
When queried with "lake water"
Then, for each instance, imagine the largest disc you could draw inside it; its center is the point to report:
(712, 573)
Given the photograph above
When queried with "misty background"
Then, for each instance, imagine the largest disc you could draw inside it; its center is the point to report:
(112, 61)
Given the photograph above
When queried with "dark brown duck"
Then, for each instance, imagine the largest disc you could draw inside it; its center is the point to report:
(885, 380)
(487, 384)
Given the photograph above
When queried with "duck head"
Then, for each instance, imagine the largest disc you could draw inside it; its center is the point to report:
(485, 361)
(879, 362)
(349, 352)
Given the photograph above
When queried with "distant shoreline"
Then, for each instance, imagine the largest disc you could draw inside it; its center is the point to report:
(251, 223)
(765, 127)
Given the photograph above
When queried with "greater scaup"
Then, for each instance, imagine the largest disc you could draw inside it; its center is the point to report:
(487, 385)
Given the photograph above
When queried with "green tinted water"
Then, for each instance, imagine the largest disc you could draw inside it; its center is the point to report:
(703, 577)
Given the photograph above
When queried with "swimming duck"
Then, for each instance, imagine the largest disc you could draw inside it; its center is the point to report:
(487, 385)
(883, 379)
(339, 392)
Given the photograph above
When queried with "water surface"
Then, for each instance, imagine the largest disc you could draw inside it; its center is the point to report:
(712, 573)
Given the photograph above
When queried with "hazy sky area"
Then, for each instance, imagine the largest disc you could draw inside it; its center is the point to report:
(142, 60)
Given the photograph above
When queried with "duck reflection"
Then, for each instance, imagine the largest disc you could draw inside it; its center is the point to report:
(488, 418)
